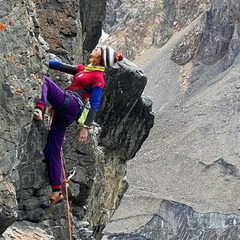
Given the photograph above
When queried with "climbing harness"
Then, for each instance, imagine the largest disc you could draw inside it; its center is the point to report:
(75, 95)
(65, 104)
(66, 180)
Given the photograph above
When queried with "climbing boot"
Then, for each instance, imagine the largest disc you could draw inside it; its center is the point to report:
(52, 201)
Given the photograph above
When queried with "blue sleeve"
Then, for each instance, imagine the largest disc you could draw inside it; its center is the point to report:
(96, 98)
(54, 64)
(62, 67)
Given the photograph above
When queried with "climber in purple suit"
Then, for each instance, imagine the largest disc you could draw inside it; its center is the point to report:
(87, 83)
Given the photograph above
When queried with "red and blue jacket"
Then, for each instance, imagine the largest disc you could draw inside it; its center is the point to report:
(88, 84)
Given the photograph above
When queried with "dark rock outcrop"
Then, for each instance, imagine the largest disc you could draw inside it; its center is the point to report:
(178, 221)
(124, 107)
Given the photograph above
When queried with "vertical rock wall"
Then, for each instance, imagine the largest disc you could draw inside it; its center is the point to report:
(21, 67)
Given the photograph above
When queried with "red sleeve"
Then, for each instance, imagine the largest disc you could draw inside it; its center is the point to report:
(98, 80)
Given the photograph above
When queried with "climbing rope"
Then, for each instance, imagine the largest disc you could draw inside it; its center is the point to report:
(65, 181)
(50, 117)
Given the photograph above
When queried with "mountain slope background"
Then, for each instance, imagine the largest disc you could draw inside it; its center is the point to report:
(192, 153)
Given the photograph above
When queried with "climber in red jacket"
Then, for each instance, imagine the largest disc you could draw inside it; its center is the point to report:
(87, 83)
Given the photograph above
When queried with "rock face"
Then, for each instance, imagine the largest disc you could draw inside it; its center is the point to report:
(125, 117)
(72, 28)
(60, 26)
(21, 63)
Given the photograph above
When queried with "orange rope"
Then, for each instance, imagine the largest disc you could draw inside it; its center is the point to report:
(50, 117)
(67, 201)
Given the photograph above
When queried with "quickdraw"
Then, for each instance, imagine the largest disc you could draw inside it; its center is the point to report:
(71, 174)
